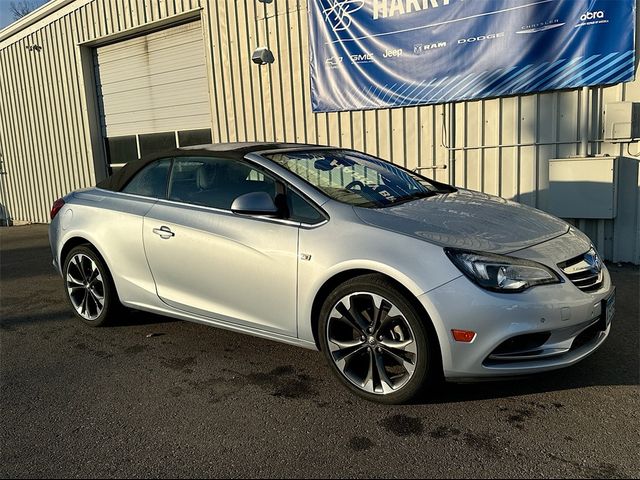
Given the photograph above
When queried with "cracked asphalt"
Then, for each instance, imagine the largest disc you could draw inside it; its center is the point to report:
(195, 401)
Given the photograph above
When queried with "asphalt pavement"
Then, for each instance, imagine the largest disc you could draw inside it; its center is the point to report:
(163, 398)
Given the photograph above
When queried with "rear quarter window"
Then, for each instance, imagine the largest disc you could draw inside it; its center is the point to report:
(151, 181)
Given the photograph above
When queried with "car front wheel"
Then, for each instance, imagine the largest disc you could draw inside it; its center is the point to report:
(377, 342)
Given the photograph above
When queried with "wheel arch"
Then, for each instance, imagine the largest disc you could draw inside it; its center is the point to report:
(77, 240)
(330, 284)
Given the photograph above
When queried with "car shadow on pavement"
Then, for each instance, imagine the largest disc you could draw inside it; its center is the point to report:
(131, 318)
(567, 379)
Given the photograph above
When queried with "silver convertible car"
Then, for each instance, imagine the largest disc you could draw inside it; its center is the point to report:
(399, 280)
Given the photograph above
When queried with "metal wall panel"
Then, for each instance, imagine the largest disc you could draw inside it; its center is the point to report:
(500, 146)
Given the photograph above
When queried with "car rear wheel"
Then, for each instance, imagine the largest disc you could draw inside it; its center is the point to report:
(89, 287)
(377, 342)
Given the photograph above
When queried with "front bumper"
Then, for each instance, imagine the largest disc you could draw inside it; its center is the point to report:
(566, 319)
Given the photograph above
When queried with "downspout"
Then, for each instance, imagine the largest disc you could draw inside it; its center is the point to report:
(451, 142)
(584, 122)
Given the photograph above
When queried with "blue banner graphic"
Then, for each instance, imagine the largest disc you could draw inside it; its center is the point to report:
(368, 54)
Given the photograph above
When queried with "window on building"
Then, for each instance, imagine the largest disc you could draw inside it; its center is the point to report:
(151, 143)
(188, 138)
(122, 149)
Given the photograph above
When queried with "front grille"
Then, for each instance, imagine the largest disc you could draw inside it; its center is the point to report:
(585, 271)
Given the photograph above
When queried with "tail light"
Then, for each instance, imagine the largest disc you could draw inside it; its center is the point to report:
(55, 208)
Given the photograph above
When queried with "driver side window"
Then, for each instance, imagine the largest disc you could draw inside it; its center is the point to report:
(215, 182)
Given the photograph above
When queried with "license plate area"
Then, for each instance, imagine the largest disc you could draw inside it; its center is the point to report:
(608, 310)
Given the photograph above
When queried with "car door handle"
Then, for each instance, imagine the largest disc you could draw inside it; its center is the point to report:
(164, 232)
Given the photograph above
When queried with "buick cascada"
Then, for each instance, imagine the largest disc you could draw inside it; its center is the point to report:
(398, 279)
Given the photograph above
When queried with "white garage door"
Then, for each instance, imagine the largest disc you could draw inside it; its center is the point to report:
(153, 92)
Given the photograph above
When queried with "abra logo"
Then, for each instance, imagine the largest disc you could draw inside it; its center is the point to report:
(541, 26)
(421, 48)
(592, 18)
(333, 62)
(338, 13)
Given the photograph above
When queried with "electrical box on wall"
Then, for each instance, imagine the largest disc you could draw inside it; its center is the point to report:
(622, 121)
(583, 187)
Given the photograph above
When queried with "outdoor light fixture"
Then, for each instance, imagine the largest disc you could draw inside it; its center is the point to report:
(265, 1)
(33, 48)
(262, 56)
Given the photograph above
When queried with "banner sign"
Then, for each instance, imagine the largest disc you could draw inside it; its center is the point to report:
(389, 53)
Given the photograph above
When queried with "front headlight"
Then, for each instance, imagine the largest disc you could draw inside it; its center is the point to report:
(501, 273)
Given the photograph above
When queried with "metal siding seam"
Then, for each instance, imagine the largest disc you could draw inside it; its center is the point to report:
(35, 191)
(46, 158)
(79, 130)
(9, 145)
(236, 71)
(302, 35)
(67, 99)
(227, 59)
(270, 132)
(55, 134)
(254, 78)
(81, 103)
(211, 73)
(16, 149)
(276, 68)
(25, 151)
(219, 77)
(295, 71)
(63, 97)
(246, 71)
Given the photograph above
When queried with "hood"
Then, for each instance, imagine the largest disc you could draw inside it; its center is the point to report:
(468, 220)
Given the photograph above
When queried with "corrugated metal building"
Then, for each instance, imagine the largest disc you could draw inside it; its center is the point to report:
(88, 83)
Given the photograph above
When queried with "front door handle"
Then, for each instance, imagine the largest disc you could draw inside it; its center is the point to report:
(164, 232)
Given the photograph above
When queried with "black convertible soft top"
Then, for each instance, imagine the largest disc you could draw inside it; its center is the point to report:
(119, 180)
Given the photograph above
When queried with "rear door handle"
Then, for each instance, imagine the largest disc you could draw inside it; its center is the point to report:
(164, 232)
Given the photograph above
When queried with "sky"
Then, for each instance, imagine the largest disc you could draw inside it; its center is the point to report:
(5, 11)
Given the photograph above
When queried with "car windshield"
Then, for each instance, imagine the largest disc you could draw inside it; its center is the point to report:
(355, 178)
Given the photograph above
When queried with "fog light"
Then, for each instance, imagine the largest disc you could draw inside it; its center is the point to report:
(464, 336)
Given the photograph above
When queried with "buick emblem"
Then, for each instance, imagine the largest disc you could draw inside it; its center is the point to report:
(593, 260)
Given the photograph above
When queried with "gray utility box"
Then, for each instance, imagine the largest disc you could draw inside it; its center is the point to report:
(583, 187)
(622, 122)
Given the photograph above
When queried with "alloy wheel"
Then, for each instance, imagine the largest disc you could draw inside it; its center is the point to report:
(371, 343)
(85, 286)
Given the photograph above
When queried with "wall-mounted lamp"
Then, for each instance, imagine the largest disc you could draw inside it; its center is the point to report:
(265, 1)
(262, 56)
(33, 48)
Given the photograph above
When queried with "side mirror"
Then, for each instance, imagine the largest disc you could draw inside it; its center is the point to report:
(254, 203)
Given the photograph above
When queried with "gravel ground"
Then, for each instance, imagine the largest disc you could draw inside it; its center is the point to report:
(197, 401)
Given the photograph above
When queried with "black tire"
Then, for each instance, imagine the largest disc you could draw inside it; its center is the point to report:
(111, 307)
(427, 365)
